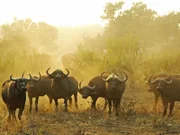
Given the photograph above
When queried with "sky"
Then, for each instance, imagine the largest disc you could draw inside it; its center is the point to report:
(71, 12)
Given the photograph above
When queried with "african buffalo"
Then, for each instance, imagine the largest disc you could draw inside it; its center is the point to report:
(169, 88)
(96, 88)
(39, 87)
(63, 86)
(114, 90)
(152, 87)
(14, 95)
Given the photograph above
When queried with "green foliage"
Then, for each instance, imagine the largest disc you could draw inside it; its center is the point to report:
(136, 41)
(122, 53)
(110, 10)
(85, 63)
(43, 34)
(17, 53)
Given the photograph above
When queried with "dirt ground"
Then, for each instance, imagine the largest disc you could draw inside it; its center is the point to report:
(136, 118)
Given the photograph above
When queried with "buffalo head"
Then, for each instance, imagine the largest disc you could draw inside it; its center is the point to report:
(151, 86)
(57, 74)
(161, 83)
(86, 91)
(114, 80)
(34, 80)
(20, 83)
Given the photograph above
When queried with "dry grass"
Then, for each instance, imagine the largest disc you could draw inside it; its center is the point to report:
(136, 117)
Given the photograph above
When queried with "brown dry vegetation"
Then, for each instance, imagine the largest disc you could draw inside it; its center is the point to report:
(136, 118)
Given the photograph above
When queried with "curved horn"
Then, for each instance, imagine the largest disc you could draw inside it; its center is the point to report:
(125, 79)
(47, 72)
(150, 80)
(30, 77)
(80, 84)
(67, 72)
(105, 80)
(12, 79)
(168, 82)
(39, 77)
(92, 87)
(23, 74)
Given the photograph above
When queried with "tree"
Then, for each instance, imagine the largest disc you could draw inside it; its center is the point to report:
(16, 51)
(111, 10)
(43, 35)
(137, 21)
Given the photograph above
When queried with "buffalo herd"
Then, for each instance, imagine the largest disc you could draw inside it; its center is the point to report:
(59, 85)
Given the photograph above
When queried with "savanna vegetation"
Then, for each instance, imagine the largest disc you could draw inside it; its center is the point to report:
(137, 41)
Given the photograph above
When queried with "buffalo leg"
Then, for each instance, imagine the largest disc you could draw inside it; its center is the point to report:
(114, 105)
(93, 105)
(162, 102)
(14, 114)
(105, 104)
(171, 108)
(110, 106)
(76, 100)
(56, 103)
(20, 113)
(117, 103)
(65, 104)
(10, 113)
(30, 101)
(165, 107)
(50, 100)
(36, 103)
(70, 101)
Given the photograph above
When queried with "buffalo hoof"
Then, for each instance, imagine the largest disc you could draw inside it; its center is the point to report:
(9, 119)
(65, 110)
(30, 110)
(36, 110)
(19, 118)
(76, 106)
(56, 109)
(93, 108)
(117, 114)
(104, 108)
(170, 115)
